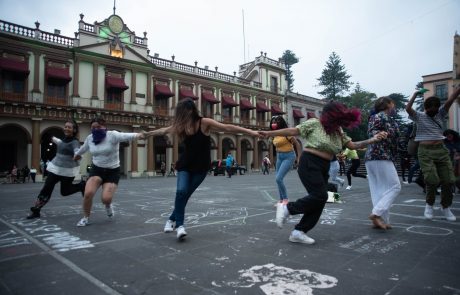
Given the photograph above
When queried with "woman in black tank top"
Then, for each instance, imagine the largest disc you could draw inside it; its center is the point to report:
(194, 163)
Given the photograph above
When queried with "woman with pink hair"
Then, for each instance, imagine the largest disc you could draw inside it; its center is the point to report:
(324, 138)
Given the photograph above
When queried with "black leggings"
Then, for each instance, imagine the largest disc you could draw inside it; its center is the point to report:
(314, 173)
(67, 188)
(355, 163)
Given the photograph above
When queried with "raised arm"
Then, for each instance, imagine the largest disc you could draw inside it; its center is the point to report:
(213, 125)
(452, 97)
(409, 104)
(159, 132)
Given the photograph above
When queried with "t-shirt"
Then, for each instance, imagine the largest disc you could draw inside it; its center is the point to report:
(317, 138)
(429, 128)
(283, 144)
(63, 163)
(106, 153)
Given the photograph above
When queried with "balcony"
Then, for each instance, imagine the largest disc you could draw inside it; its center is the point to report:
(114, 106)
(160, 110)
(10, 96)
(57, 101)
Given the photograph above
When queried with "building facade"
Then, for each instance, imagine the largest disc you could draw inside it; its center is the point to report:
(106, 70)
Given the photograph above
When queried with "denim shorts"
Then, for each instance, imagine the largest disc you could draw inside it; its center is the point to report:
(110, 175)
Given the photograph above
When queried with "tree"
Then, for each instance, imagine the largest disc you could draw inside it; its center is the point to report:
(418, 103)
(289, 59)
(364, 100)
(334, 78)
(400, 106)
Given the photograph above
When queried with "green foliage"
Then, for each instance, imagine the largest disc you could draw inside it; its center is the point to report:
(334, 78)
(400, 105)
(418, 105)
(289, 59)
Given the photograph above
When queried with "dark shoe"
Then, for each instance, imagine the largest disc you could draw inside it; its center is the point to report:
(35, 213)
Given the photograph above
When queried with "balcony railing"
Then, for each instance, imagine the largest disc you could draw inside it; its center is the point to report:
(57, 101)
(160, 110)
(114, 106)
(10, 96)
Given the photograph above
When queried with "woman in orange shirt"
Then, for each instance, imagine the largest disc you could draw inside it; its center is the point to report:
(285, 155)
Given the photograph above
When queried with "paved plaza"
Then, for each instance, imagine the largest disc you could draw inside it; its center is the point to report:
(233, 245)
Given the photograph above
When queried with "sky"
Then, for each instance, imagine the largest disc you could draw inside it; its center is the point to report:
(385, 45)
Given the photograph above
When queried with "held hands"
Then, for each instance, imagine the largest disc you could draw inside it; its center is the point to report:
(263, 134)
(381, 135)
(77, 158)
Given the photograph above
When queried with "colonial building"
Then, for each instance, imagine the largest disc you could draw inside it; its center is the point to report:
(106, 70)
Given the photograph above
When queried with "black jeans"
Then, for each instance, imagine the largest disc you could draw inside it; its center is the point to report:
(355, 163)
(314, 173)
(67, 188)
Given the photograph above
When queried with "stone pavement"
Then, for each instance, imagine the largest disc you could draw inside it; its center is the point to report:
(232, 247)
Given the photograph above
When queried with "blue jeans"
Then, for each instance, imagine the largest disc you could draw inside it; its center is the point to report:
(284, 163)
(187, 183)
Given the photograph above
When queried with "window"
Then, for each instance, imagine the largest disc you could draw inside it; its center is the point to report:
(13, 83)
(273, 84)
(296, 121)
(227, 114)
(244, 114)
(260, 118)
(56, 90)
(206, 109)
(441, 91)
(114, 99)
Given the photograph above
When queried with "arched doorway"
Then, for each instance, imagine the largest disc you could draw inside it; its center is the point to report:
(13, 147)
(227, 145)
(47, 146)
(263, 150)
(159, 144)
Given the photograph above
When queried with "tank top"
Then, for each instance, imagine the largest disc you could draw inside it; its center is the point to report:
(197, 153)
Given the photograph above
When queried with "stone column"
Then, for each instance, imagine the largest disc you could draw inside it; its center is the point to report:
(150, 153)
(134, 161)
(95, 80)
(238, 148)
(149, 89)
(76, 71)
(36, 144)
(219, 145)
(133, 87)
(36, 88)
(255, 157)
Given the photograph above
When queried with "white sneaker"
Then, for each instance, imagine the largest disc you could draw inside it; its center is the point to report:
(109, 210)
(348, 187)
(428, 212)
(405, 182)
(298, 236)
(448, 214)
(181, 233)
(282, 214)
(83, 222)
(169, 226)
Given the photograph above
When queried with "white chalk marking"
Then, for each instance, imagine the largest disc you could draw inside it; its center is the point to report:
(63, 260)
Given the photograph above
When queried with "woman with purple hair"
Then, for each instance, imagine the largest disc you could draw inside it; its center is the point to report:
(324, 138)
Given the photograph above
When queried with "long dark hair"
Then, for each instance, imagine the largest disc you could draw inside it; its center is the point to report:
(75, 127)
(382, 103)
(279, 121)
(187, 115)
(336, 115)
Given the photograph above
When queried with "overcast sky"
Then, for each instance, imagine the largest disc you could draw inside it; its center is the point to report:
(385, 45)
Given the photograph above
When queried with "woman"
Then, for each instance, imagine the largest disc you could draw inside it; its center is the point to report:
(285, 155)
(355, 163)
(194, 163)
(324, 138)
(62, 169)
(105, 170)
(383, 178)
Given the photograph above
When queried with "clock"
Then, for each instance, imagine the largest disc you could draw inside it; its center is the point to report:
(116, 24)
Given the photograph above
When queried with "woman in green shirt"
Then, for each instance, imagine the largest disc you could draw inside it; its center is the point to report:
(324, 138)
(355, 163)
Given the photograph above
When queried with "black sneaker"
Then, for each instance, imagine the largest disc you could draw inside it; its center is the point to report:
(35, 213)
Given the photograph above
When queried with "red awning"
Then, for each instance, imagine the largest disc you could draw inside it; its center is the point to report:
(262, 107)
(117, 83)
(209, 97)
(14, 66)
(276, 110)
(310, 115)
(245, 104)
(61, 74)
(162, 91)
(186, 92)
(297, 114)
(227, 101)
